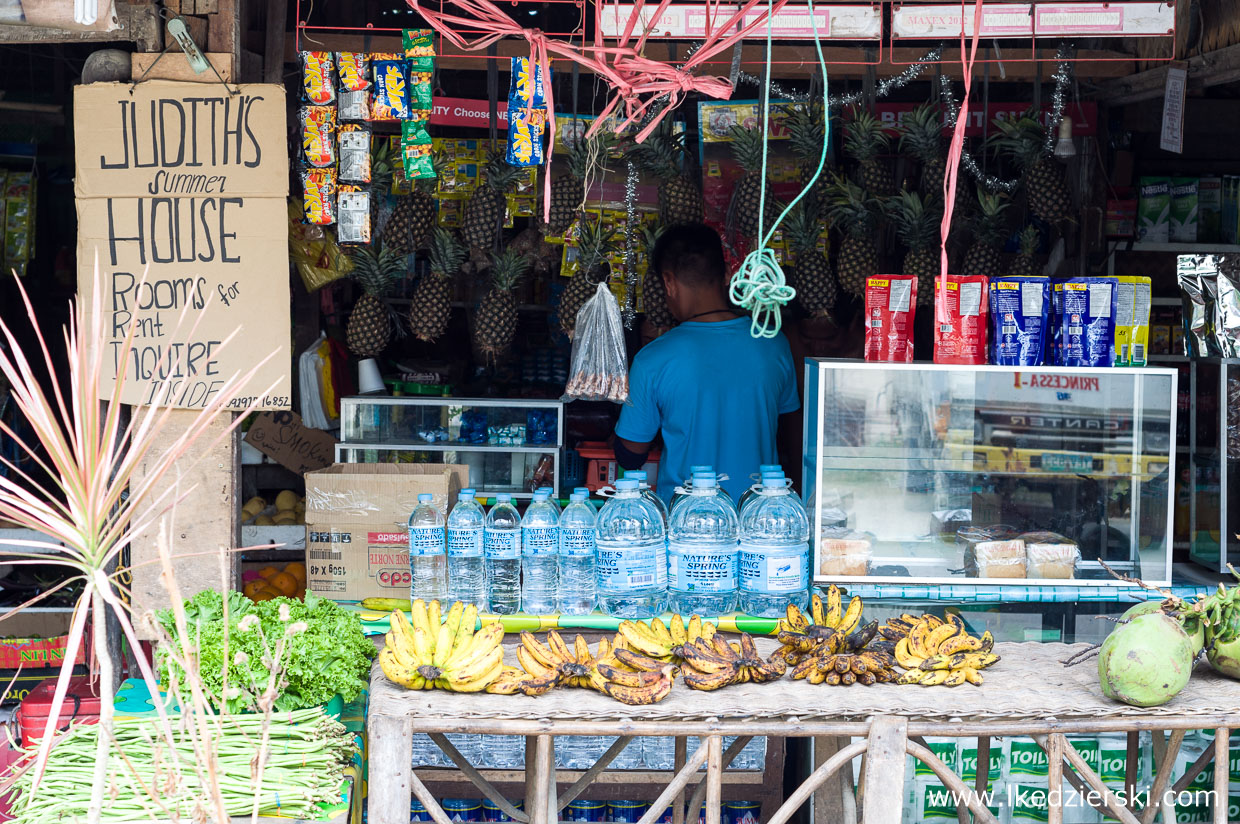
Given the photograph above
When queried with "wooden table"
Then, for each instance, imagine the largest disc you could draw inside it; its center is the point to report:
(1029, 693)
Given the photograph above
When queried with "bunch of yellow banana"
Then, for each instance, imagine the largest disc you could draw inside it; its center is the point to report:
(846, 668)
(833, 629)
(424, 652)
(633, 678)
(937, 651)
(712, 664)
(545, 666)
(665, 641)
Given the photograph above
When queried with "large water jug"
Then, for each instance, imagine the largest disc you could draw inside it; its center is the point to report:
(631, 538)
(540, 548)
(577, 549)
(428, 567)
(702, 547)
(551, 499)
(766, 470)
(687, 484)
(467, 577)
(774, 552)
(649, 494)
(501, 546)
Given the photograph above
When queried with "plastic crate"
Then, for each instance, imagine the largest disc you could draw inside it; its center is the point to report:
(601, 469)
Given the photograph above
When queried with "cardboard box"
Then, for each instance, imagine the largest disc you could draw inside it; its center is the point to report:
(1154, 210)
(1184, 210)
(283, 437)
(37, 640)
(356, 514)
(1209, 209)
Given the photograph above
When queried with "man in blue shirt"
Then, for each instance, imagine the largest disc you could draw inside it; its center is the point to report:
(717, 394)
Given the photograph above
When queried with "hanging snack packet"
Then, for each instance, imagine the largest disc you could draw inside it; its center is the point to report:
(354, 153)
(354, 215)
(317, 82)
(318, 135)
(1132, 320)
(525, 134)
(889, 310)
(1088, 321)
(419, 49)
(391, 88)
(1019, 312)
(319, 198)
(420, 93)
(353, 68)
(354, 106)
(416, 150)
(527, 86)
(962, 339)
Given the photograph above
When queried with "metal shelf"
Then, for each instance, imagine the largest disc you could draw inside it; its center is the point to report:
(447, 447)
(1182, 248)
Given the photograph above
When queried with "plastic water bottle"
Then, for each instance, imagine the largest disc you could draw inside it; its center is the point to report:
(551, 498)
(702, 551)
(767, 470)
(540, 546)
(658, 752)
(501, 546)
(774, 554)
(503, 752)
(577, 548)
(631, 537)
(428, 564)
(426, 753)
(649, 494)
(687, 484)
(467, 577)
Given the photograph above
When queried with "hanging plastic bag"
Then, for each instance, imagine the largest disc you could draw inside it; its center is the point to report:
(600, 364)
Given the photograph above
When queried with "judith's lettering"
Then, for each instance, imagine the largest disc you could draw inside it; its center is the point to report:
(166, 134)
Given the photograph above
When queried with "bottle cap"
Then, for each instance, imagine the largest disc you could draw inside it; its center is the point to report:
(584, 490)
(638, 475)
(772, 473)
(626, 485)
(425, 498)
(546, 489)
(540, 496)
(770, 468)
(704, 480)
(502, 497)
(578, 497)
(693, 470)
(466, 494)
(773, 482)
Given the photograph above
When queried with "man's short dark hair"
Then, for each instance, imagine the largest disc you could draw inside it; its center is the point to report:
(692, 253)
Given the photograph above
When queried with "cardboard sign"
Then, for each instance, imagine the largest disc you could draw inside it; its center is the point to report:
(181, 199)
(1174, 91)
(282, 437)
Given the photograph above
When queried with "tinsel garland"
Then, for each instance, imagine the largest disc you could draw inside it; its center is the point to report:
(1062, 78)
(628, 311)
(884, 87)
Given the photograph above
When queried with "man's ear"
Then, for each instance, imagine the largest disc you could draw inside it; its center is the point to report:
(671, 286)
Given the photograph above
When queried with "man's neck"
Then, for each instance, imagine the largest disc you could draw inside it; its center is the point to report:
(709, 308)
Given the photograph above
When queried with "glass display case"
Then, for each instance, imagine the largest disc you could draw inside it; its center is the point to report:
(937, 474)
(509, 446)
(1212, 448)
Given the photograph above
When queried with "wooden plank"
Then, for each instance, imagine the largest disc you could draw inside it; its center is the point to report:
(390, 747)
(1166, 761)
(714, 776)
(130, 18)
(1222, 737)
(223, 31)
(1054, 777)
(203, 529)
(679, 754)
(273, 42)
(174, 65)
(206, 6)
(829, 799)
(1212, 69)
(884, 770)
(544, 764)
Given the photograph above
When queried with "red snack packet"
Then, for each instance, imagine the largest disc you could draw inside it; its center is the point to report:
(890, 303)
(963, 338)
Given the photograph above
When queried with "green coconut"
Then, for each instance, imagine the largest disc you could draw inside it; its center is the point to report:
(1188, 620)
(1225, 657)
(1146, 661)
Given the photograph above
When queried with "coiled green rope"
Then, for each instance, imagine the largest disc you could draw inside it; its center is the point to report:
(759, 285)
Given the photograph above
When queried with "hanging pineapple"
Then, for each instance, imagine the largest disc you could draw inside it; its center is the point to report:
(408, 230)
(1024, 140)
(989, 231)
(747, 147)
(806, 132)
(851, 211)
(815, 284)
(594, 244)
(654, 294)
(916, 220)
(431, 304)
(369, 330)
(1026, 263)
(864, 140)
(569, 191)
(485, 209)
(663, 155)
(495, 324)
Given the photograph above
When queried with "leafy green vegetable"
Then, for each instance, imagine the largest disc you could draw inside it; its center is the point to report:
(324, 650)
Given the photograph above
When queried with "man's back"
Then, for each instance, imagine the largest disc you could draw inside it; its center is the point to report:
(716, 393)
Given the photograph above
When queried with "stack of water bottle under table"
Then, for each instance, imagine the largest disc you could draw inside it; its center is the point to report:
(507, 752)
(469, 810)
(633, 558)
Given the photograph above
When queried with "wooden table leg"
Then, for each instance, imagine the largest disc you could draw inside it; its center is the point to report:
(1162, 778)
(679, 754)
(541, 811)
(531, 789)
(884, 771)
(1130, 769)
(1054, 778)
(391, 770)
(714, 779)
(829, 798)
(1222, 738)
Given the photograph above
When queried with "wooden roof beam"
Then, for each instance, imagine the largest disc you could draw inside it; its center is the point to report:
(1213, 69)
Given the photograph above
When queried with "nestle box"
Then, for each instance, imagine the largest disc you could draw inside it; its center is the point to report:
(356, 514)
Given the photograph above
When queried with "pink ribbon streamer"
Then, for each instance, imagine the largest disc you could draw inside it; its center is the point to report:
(952, 168)
(637, 80)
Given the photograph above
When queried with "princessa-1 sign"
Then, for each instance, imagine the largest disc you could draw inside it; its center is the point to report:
(181, 192)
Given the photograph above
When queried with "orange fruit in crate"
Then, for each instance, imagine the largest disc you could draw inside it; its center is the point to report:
(301, 594)
(254, 587)
(283, 582)
(298, 570)
(266, 573)
(265, 594)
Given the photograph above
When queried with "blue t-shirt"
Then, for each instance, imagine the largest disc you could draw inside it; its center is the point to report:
(717, 393)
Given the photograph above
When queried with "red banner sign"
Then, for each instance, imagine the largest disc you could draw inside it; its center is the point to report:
(462, 111)
(1084, 116)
